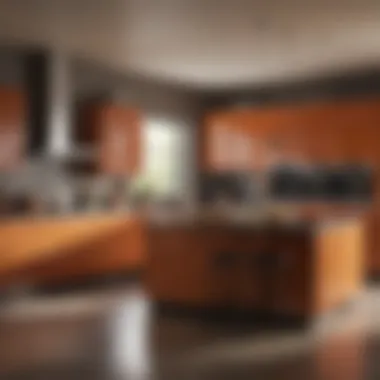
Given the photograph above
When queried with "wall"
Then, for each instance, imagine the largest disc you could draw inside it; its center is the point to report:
(25, 68)
(12, 67)
(352, 84)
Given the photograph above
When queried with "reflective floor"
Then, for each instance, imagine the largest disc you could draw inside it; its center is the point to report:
(114, 334)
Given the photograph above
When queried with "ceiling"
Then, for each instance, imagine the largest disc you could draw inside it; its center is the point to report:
(207, 44)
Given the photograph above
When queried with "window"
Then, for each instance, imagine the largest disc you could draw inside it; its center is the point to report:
(164, 157)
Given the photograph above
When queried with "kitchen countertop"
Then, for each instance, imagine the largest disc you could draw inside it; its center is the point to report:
(278, 214)
(261, 221)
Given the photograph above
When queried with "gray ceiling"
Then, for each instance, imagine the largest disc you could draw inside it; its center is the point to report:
(206, 44)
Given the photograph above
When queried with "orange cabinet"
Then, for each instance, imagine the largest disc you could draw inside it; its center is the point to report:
(69, 250)
(115, 131)
(296, 272)
(12, 128)
(120, 146)
(328, 133)
(228, 143)
(170, 279)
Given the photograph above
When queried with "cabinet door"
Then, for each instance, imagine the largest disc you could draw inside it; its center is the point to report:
(323, 144)
(119, 135)
(221, 146)
(229, 143)
(12, 128)
(223, 267)
(251, 292)
(291, 290)
(214, 141)
(245, 148)
(88, 124)
(238, 277)
(185, 269)
(361, 132)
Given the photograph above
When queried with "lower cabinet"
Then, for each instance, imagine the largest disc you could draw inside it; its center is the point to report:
(236, 269)
(291, 278)
(301, 272)
(177, 269)
(259, 271)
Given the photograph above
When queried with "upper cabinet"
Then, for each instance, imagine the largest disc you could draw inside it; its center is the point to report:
(120, 148)
(115, 132)
(316, 133)
(247, 139)
(228, 143)
(12, 128)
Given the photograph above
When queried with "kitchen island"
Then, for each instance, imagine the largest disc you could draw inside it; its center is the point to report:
(302, 269)
(65, 249)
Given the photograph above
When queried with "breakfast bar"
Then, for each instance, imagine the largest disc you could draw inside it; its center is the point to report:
(62, 250)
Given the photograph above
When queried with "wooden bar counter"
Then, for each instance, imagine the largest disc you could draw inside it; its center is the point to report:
(302, 269)
(60, 250)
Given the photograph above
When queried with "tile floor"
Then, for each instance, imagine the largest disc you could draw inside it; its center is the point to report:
(115, 334)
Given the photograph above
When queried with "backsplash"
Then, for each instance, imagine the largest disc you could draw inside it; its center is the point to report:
(289, 183)
(233, 187)
(45, 187)
(322, 183)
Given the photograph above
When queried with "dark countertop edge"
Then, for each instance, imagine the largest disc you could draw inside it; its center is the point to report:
(324, 221)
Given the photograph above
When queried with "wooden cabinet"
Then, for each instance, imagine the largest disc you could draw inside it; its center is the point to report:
(69, 250)
(228, 144)
(12, 128)
(301, 272)
(327, 133)
(115, 132)
(214, 143)
(172, 279)
(340, 263)
(120, 146)
(291, 273)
